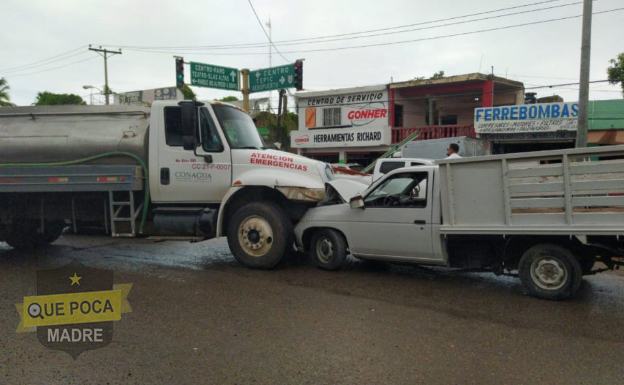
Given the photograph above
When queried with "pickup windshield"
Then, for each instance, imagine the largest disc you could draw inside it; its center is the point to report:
(238, 127)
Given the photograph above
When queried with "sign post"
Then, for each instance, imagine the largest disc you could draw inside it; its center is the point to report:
(274, 78)
(212, 76)
(245, 89)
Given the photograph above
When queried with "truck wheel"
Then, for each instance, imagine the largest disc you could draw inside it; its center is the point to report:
(24, 234)
(260, 235)
(329, 249)
(550, 272)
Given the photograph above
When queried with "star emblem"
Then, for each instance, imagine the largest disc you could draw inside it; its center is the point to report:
(75, 279)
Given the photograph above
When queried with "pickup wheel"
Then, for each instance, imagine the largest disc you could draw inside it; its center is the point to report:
(24, 234)
(550, 272)
(260, 235)
(329, 249)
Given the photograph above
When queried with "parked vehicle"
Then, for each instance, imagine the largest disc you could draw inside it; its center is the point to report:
(187, 171)
(436, 148)
(549, 216)
(384, 166)
(348, 166)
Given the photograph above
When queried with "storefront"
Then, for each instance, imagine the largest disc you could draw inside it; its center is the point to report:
(530, 127)
(349, 125)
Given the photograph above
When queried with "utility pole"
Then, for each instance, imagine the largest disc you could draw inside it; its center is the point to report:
(583, 117)
(268, 24)
(245, 89)
(105, 54)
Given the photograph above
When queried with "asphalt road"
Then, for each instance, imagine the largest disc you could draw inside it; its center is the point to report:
(200, 318)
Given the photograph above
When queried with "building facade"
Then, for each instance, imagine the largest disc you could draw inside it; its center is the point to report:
(357, 125)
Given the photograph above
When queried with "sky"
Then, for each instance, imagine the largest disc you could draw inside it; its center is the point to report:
(44, 44)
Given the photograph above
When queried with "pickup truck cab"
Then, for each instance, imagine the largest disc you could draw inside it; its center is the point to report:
(549, 222)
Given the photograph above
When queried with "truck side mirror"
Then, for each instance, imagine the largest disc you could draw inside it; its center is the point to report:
(189, 125)
(357, 202)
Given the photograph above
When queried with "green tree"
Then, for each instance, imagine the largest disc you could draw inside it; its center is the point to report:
(437, 75)
(289, 123)
(228, 99)
(616, 71)
(50, 99)
(5, 99)
(188, 93)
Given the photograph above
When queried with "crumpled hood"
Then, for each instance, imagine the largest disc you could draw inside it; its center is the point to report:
(347, 188)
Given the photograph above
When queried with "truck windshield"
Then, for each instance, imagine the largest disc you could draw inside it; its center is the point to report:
(238, 127)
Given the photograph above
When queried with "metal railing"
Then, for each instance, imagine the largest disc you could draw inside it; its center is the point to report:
(432, 132)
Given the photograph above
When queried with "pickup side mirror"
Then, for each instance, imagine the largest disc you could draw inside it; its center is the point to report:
(357, 202)
(189, 125)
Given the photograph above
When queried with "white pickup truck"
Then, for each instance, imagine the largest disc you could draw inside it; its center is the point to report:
(547, 215)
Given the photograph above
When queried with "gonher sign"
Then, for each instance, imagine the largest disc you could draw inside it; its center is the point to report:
(541, 117)
(212, 76)
(362, 109)
(347, 137)
(274, 78)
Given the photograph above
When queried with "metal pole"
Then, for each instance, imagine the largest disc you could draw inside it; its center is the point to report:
(106, 78)
(581, 135)
(245, 90)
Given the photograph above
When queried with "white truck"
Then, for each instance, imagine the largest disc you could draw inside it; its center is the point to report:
(182, 171)
(547, 215)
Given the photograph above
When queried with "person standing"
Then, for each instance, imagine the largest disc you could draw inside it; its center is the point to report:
(452, 152)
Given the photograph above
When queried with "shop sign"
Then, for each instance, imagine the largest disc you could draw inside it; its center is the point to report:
(361, 109)
(347, 137)
(529, 118)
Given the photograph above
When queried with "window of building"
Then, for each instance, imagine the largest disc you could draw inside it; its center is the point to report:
(331, 117)
(325, 157)
(449, 120)
(398, 115)
(173, 126)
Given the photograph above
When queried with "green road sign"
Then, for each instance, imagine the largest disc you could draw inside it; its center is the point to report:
(274, 78)
(211, 76)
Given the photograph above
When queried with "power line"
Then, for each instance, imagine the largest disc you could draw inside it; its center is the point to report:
(51, 69)
(409, 30)
(261, 44)
(48, 63)
(265, 32)
(388, 43)
(474, 93)
(35, 64)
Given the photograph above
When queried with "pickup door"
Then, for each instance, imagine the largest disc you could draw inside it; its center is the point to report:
(396, 218)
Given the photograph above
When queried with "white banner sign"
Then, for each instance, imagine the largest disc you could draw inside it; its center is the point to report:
(362, 109)
(346, 137)
(541, 117)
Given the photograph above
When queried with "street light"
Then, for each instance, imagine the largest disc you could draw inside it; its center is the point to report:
(86, 87)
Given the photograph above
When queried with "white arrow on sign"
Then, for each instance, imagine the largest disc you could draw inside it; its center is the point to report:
(282, 80)
(233, 75)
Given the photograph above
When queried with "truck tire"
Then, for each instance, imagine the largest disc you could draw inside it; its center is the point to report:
(550, 272)
(328, 249)
(260, 235)
(24, 234)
